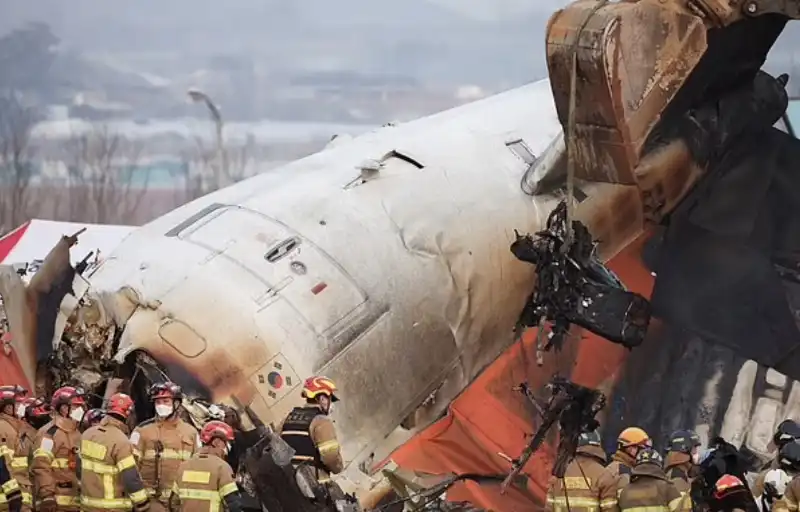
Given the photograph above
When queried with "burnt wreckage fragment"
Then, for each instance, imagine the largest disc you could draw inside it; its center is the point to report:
(573, 408)
(573, 287)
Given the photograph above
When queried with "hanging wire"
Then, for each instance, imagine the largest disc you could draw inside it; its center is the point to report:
(570, 138)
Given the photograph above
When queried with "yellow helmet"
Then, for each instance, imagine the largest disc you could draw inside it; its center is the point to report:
(633, 436)
(318, 385)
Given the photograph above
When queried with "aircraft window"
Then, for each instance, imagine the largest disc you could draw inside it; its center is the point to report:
(282, 249)
(523, 152)
(182, 337)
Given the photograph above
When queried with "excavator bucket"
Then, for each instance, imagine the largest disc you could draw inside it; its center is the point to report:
(631, 60)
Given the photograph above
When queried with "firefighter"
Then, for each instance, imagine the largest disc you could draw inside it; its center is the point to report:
(33, 414)
(789, 460)
(683, 455)
(55, 457)
(206, 481)
(93, 417)
(587, 484)
(38, 413)
(649, 488)
(109, 477)
(787, 431)
(730, 495)
(629, 443)
(10, 494)
(162, 443)
(310, 431)
(10, 427)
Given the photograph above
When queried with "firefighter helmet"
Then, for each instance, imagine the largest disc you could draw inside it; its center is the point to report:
(778, 479)
(318, 385)
(649, 456)
(165, 390)
(789, 456)
(788, 430)
(589, 439)
(92, 417)
(633, 436)
(121, 405)
(727, 485)
(683, 441)
(10, 395)
(36, 408)
(216, 430)
(68, 395)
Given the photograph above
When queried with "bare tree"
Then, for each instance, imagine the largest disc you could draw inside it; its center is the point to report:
(204, 173)
(16, 172)
(107, 183)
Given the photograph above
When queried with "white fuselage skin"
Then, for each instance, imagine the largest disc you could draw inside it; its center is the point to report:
(401, 288)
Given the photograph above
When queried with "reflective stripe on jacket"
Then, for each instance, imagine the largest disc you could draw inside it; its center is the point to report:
(20, 465)
(9, 435)
(313, 437)
(204, 482)
(587, 486)
(55, 462)
(650, 490)
(160, 446)
(9, 488)
(109, 477)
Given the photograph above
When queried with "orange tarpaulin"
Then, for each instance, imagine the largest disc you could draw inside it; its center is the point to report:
(491, 417)
(10, 367)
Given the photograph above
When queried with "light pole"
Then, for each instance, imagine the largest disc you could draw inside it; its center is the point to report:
(198, 96)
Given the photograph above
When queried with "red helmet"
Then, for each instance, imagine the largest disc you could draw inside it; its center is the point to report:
(68, 395)
(10, 395)
(727, 485)
(120, 404)
(318, 385)
(36, 408)
(165, 390)
(216, 430)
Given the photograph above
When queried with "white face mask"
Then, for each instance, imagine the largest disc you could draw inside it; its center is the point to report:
(227, 448)
(21, 411)
(77, 413)
(164, 410)
(330, 408)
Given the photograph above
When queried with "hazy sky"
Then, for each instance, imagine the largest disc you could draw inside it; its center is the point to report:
(499, 9)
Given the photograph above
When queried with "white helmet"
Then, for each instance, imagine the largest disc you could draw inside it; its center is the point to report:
(778, 478)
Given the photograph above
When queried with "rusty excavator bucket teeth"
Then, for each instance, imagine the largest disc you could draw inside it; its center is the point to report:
(632, 58)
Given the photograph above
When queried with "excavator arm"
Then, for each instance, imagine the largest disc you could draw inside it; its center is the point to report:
(638, 62)
(668, 97)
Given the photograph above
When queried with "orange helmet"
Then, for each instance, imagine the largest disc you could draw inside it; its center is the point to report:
(216, 430)
(120, 404)
(318, 385)
(633, 436)
(727, 485)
